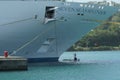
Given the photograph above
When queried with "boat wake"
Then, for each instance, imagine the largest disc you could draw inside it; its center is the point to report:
(71, 61)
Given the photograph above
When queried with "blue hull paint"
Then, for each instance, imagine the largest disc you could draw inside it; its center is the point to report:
(35, 60)
(44, 30)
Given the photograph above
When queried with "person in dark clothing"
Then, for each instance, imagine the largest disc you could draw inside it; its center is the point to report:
(75, 58)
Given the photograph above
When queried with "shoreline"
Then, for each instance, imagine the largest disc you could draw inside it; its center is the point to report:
(99, 48)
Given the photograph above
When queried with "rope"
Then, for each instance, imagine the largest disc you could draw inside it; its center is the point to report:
(18, 21)
(32, 40)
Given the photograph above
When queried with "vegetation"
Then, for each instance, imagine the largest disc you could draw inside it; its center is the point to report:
(104, 37)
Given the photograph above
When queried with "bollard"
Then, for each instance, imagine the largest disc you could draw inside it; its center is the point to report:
(5, 54)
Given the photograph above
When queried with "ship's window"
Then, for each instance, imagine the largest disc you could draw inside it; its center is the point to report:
(81, 5)
(99, 7)
(86, 5)
(89, 6)
(78, 13)
(50, 11)
(102, 7)
(82, 14)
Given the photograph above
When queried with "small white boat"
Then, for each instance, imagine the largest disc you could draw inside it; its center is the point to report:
(71, 61)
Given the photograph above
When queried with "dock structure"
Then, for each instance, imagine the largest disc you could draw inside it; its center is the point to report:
(13, 63)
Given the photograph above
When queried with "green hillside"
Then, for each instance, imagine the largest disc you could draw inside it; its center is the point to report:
(104, 37)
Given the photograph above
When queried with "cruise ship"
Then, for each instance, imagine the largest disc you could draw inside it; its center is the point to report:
(41, 30)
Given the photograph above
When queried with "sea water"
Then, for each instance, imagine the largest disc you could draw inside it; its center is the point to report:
(94, 65)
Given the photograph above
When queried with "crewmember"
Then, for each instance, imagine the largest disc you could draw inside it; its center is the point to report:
(75, 58)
